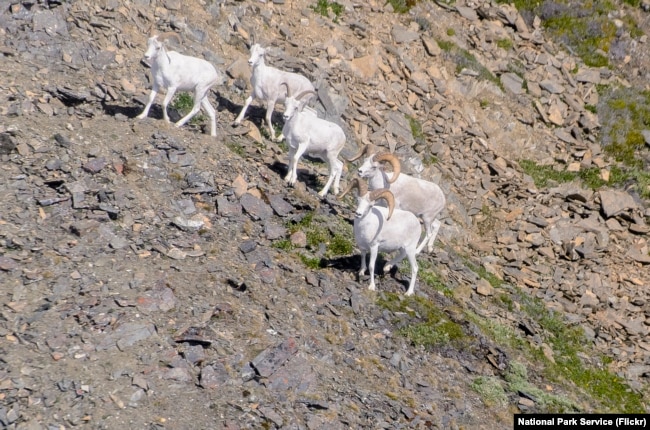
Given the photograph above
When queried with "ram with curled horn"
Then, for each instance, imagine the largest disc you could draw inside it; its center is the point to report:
(173, 72)
(423, 198)
(305, 133)
(383, 229)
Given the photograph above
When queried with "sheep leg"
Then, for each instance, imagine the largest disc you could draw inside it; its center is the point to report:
(152, 96)
(195, 109)
(168, 97)
(213, 115)
(414, 272)
(435, 226)
(394, 261)
(335, 167)
(363, 268)
(294, 156)
(243, 110)
(423, 242)
(371, 266)
(270, 105)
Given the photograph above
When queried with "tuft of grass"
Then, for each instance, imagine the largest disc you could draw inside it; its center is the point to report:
(567, 343)
(543, 175)
(505, 44)
(416, 127)
(584, 27)
(323, 7)
(337, 238)
(517, 377)
(431, 279)
(236, 148)
(401, 6)
(491, 390)
(422, 323)
(183, 103)
(466, 60)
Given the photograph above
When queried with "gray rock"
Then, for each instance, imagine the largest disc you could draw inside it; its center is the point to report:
(614, 202)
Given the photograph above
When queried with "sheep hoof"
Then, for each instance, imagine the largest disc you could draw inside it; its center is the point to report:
(387, 268)
(409, 293)
(372, 287)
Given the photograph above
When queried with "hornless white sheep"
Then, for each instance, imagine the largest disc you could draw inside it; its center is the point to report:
(176, 72)
(423, 198)
(267, 86)
(377, 228)
(307, 134)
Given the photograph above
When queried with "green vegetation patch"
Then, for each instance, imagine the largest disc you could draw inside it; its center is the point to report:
(183, 103)
(324, 7)
(402, 6)
(466, 60)
(584, 27)
(430, 278)
(624, 113)
(568, 343)
(546, 175)
(336, 238)
(422, 322)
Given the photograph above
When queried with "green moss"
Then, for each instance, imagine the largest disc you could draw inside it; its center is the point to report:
(483, 273)
(416, 127)
(504, 44)
(323, 7)
(567, 342)
(542, 174)
(311, 262)
(584, 27)
(236, 148)
(466, 60)
(283, 244)
(431, 279)
(425, 324)
(451, 32)
(401, 6)
(517, 377)
(491, 390)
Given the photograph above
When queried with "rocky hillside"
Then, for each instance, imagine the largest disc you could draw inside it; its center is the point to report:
(156, 277)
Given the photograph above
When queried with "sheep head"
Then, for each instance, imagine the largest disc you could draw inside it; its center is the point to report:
(294, 104)
(257, 55)
(366, 200)
(372, 165)
(156, 44)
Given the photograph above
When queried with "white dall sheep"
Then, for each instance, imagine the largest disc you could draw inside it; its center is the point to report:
(176, 72)
(385, 229)
(423, 198)
(266, 82)
(307, 134)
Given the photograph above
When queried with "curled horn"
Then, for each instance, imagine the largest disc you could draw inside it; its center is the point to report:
(287, 86)
(358, 184)
(367, 149)
(164, 37)
(394, 161)
(304, 93)
(384, 193)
